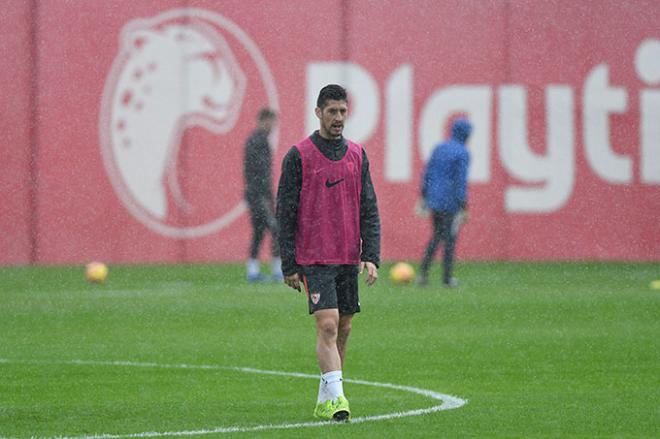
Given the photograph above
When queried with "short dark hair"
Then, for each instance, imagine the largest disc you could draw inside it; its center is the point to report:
(332, 92)
(265, 114)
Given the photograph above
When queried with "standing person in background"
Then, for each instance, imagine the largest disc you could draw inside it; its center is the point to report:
(444, 192)
(257, 171)
(330, 231)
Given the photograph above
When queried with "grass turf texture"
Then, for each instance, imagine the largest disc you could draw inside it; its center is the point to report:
(539, 350)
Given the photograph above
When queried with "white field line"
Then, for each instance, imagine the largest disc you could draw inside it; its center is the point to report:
(448, 401)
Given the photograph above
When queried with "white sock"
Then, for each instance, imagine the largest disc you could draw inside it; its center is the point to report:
(333, 384)
(323, 392)
(252, 267)
(276, 266)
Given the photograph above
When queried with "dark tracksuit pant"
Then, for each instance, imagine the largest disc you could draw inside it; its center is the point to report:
(442, 232)
(262, 219)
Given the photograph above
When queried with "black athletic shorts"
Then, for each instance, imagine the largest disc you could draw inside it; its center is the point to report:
(332, 286)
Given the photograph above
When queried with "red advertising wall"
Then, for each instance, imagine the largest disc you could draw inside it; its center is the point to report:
(15, 133)
(123, 123)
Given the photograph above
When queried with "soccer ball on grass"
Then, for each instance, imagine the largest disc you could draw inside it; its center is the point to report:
(96, 272)
(402, 273)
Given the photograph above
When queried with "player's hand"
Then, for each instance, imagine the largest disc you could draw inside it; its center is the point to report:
(465, 215)
(422, 209)
(293, 281)
(372, 272)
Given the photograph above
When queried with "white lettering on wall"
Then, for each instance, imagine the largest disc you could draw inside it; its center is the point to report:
(599, 100)
(647, 64)
(545, 181)
(551, 176)
(399, 125)
(650, 136)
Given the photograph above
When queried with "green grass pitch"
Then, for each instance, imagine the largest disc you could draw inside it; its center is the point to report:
(537, 349)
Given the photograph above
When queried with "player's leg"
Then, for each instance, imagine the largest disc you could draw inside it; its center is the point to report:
(450, 246)
(319, 282)
(348, 303)
(259, 224)
(327, 322)
(431, 248)
(344, 330)
(320, 286)
(331, 402)
(276, 262)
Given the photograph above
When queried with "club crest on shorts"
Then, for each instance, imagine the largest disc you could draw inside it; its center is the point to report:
(315, 297)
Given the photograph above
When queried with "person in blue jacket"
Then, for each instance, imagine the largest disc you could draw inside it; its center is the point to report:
(444, 193)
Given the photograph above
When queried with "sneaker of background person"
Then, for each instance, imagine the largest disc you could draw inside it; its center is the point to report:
(422, 281)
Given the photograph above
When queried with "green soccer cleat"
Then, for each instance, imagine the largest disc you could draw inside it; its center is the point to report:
(341, 411)
(337, 410)
(323, 410)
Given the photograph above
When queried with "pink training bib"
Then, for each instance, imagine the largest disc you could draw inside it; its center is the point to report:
(329, 210)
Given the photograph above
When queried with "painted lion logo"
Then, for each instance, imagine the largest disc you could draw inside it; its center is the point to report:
(174, 75)
(184, 68)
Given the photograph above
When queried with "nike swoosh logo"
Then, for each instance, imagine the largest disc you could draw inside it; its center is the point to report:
(329, 183)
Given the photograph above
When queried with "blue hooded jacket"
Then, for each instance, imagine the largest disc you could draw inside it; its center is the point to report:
(444, 184)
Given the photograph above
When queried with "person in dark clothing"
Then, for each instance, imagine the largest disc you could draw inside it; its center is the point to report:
(444, 192)
(329, 232)
(257, 171)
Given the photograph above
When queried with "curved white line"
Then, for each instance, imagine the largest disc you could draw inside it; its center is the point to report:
(448, 401)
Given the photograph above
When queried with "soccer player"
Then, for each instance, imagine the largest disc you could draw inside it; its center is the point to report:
(329, 231)
(257, 171)
(444, 192)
